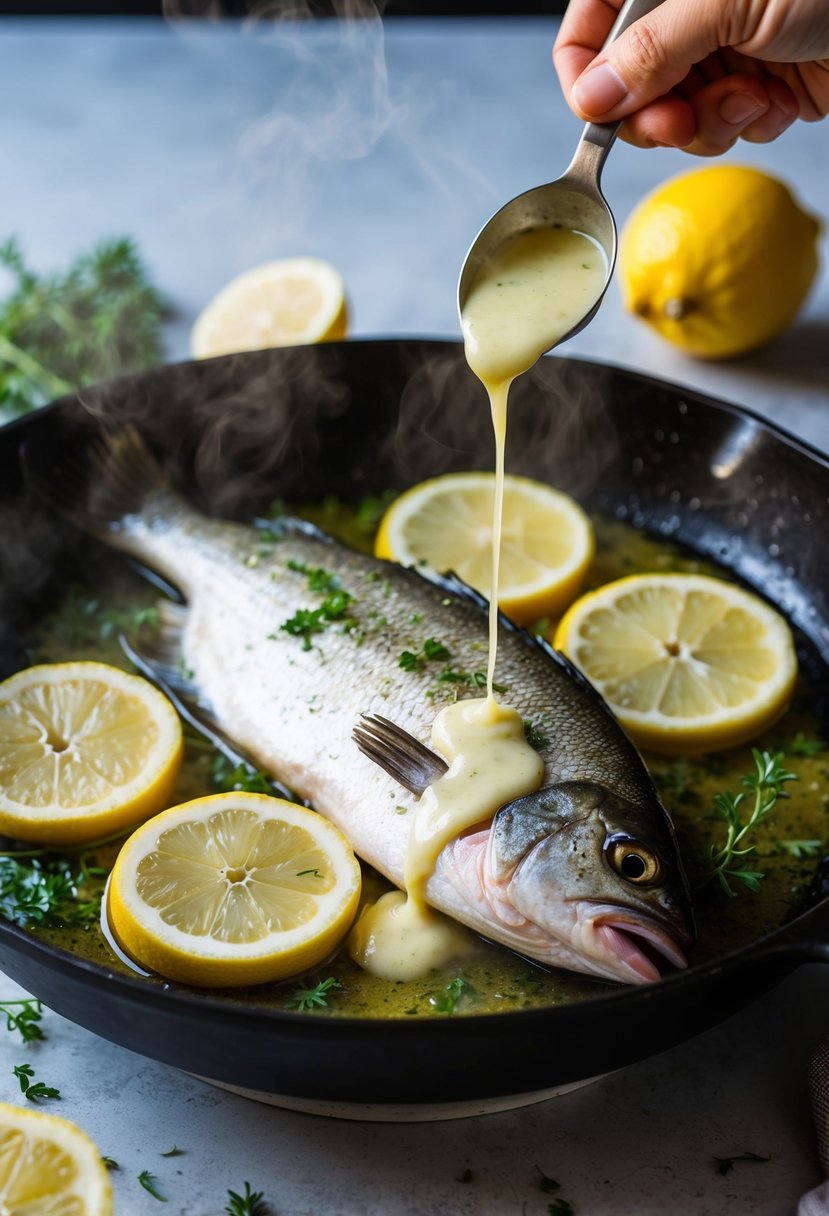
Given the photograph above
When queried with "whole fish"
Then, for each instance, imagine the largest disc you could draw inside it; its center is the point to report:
(292, 637)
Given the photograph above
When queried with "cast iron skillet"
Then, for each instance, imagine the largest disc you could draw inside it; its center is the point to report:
(356, 417)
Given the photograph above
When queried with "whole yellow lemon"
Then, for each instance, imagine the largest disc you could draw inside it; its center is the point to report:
(718, 260)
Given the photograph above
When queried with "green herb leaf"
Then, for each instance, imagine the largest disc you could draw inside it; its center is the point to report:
(249, 1204)
(240, 777)
(25, 1022)
(547, 1184)
(559, 1207)
(148, 1181)
(313, 998)
(33, 1090)
(447, 1001)
(110, 1163)
(801, 746)
(534, 735)
(800, 848)
(431, 651)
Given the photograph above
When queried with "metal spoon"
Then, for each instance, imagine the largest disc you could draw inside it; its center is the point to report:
(573, 201)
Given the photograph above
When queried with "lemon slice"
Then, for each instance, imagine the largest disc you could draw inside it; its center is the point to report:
(285, 303)
(49, 1167)
(686, 662)
(233, 889)
(445, 524)
(85, 750)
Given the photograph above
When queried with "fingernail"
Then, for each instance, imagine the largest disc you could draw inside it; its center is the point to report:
(740, 108)
(598, 90)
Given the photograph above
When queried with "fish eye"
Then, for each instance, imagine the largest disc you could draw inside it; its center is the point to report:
(632, 860)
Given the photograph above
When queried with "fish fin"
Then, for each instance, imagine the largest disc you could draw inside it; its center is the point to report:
(411, 763)
(97, 487)
(161, 650)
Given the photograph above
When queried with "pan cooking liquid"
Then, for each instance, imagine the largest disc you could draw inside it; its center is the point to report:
(534, 289)
(491, 979)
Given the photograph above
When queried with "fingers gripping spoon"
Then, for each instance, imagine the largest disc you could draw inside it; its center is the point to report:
(543, 220)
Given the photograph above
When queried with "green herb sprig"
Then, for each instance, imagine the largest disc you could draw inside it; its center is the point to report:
(149, 1183)
(26, 1021)
(99, 318)
(238, 777)
(765, 784)
(250, 1204)
(448, 1000)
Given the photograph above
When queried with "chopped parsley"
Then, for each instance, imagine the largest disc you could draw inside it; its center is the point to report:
(45, 893)
(431, 651)
(26, 1020)
(308, 621)
(534, 735)
(239, 777)
(448, 1000)
(33, 1090)
(313, 998)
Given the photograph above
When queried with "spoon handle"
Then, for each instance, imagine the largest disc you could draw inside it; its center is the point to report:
(602, 134)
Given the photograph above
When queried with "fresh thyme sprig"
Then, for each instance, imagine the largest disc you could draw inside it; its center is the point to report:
(26, 1021)
(100, 317)
(149, 1181)
(766, 785)
(250, 1204)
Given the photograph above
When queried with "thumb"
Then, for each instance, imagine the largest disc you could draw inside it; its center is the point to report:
(648, 59)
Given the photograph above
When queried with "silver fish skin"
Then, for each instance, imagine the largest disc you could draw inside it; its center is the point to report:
(583, 874)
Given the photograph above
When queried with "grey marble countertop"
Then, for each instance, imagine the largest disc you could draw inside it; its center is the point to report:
(383, 150)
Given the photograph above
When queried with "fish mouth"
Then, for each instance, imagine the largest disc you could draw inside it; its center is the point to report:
(639, 948)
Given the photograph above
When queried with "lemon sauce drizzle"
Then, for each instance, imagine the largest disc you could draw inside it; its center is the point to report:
(533, 290)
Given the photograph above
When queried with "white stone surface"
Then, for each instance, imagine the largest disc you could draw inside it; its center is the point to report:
(221, 147)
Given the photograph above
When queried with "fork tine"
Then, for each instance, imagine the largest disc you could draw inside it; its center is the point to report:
(398, 753)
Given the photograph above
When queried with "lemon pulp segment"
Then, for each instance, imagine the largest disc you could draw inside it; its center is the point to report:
(49, 1167)
(446, 524)
(85, 749)
(233, 889)
(686, 662)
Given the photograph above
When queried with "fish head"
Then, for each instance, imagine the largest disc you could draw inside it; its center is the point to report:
(597, 873)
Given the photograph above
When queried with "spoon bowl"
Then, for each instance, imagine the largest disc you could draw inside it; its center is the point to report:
(574, 201)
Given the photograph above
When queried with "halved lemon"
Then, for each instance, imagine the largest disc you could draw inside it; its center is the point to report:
(85, 750)
(688, 663)
(445, 524)
(48, 1166)
(283, 303)
(233, 889)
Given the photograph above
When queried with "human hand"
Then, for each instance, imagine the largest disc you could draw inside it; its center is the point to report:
(698, 75)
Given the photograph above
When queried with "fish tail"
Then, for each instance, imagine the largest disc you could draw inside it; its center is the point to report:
(97, 488)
